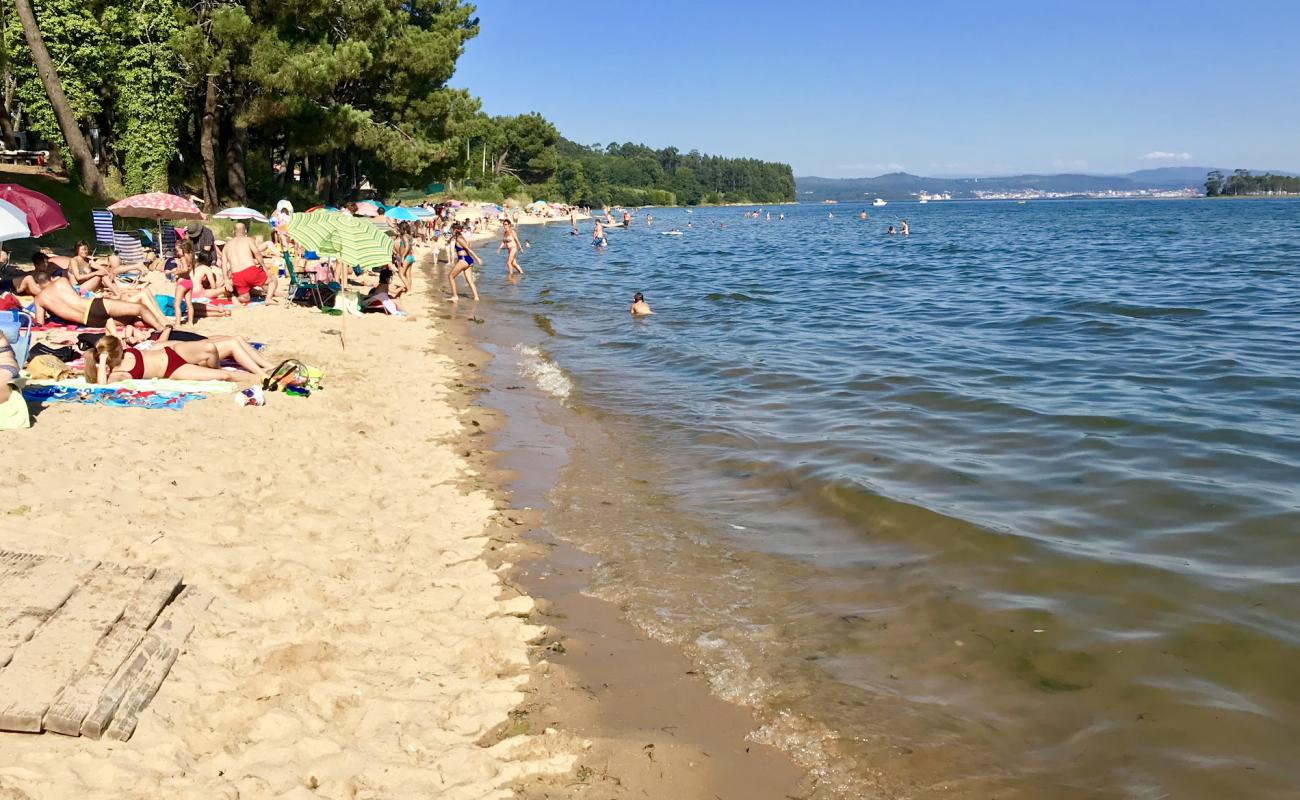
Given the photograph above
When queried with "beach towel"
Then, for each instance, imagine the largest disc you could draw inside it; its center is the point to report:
(145, 393)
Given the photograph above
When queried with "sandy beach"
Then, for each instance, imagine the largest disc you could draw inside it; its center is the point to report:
(359, 644)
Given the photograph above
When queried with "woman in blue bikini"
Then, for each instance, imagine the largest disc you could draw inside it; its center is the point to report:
(465, 260)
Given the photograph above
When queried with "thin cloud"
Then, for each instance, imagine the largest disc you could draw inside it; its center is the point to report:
(1163, 155)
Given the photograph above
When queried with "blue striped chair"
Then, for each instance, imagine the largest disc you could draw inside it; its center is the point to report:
(102, 219)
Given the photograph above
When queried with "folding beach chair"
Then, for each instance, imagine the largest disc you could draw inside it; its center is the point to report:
(129, 250)
(168, 241)
(304, 292)
(102, 220)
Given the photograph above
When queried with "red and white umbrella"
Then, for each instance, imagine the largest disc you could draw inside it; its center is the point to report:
(367, 209)
(42, 213)
(156, 205)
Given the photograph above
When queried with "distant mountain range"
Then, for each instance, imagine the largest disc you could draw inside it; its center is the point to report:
(901, 185)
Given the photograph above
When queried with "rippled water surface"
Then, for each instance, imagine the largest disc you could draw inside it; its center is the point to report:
(1006, 508)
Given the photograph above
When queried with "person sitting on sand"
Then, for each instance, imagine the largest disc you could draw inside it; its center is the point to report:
(110, 361)
(86, 273)
(640, 308)
(383, 298)
(13, 408)
(57, 297)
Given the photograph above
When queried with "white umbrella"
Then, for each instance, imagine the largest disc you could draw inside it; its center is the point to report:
(239, 212)
(13, 222)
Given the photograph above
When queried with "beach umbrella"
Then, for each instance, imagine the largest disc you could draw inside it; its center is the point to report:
(239, 212)
(43, 214)
(402, 214)
(158, 206)
(13, 222)
(351, 240)
(425, 213)
(367, 209)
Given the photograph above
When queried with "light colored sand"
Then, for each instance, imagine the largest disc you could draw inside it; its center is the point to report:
(358, 646)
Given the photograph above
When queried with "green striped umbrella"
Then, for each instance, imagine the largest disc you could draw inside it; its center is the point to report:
(351, 240)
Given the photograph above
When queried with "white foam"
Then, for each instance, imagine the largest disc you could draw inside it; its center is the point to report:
(546, 374)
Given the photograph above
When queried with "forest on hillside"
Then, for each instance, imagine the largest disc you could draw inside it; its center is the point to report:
(1244, 182)
(247, 100)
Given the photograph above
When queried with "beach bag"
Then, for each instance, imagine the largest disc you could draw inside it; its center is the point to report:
(48, 368)
(292, 372)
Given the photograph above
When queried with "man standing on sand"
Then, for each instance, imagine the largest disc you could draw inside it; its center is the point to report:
(244, 264)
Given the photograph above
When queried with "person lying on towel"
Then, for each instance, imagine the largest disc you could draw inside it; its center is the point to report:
(110, 361)
(56, 297)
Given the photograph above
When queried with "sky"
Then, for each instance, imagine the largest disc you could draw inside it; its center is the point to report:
(931, 87)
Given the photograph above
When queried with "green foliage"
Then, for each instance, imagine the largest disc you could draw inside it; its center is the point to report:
(79, 49)
(312, 98)
(1244, 182)
(634, 174)
(145, 79)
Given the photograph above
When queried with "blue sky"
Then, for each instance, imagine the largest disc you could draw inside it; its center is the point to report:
(844, 89)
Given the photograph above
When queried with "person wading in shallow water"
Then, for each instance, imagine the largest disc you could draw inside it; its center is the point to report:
(510, 241)
(640, 308)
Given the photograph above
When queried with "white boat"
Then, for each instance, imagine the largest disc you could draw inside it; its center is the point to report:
(877, 202)
(923, 200)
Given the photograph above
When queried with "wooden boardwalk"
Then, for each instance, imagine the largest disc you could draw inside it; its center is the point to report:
(85, 645)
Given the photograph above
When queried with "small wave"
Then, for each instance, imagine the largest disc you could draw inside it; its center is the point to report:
(1137, 312)
(738, 297)
(545, 373)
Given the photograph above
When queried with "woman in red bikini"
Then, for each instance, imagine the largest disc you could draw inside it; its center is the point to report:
(111, 361)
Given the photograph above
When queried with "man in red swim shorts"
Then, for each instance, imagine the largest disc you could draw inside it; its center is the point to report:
(244, 261)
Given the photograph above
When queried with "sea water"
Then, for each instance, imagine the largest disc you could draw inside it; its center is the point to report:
(1009, 507)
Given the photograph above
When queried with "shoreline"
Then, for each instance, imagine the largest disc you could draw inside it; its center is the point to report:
(360, 643)
(645, 720)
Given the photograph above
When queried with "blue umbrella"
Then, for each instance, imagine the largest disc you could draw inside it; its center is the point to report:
(401, 214)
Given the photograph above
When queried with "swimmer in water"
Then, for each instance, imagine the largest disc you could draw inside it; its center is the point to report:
(640, 308)
(902, 224)
(598, 235)
(863, 215)
(782, 216)
(891, 231)
(829, 215)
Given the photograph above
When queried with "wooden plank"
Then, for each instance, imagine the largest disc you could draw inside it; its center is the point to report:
(61, 647)
(13, 564)
(118, 711)
(27, 600)
(81, 695)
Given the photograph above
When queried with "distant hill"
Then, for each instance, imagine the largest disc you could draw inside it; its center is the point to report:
(901, 185)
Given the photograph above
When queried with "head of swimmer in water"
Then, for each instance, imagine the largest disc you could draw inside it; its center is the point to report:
(638, 298)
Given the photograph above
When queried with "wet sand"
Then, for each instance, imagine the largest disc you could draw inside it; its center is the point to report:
(644, 719)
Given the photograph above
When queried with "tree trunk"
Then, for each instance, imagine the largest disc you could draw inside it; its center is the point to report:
(91, 181)
(206, 149)
(235, 177)
(6, 125)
